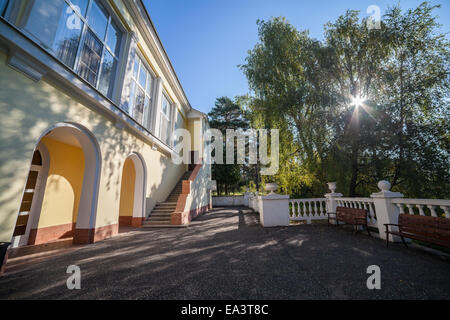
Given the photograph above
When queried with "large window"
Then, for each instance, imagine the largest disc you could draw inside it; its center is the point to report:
(3, 5)
(80, 33)
(141, 93)
(165, 126)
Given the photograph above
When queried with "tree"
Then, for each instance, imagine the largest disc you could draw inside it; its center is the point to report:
(361, 106)
(227, 114)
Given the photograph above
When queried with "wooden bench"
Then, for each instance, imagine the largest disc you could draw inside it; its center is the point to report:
(423, 228)
(351, 216)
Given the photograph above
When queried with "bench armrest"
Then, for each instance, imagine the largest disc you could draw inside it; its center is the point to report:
(387, 225)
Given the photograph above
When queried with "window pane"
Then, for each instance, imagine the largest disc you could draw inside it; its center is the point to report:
(68, 37)
(82, 6)
(143, 77)
(98, 19)
(90, 58)
(136, 67)
(138, 113)
(107, 74)
(43, 20)
(113, 38)
(3, 4)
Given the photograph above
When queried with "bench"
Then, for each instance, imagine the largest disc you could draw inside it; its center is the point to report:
(423, 228)
(351, 216)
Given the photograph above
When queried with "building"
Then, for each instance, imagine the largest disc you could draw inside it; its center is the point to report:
(89, 101)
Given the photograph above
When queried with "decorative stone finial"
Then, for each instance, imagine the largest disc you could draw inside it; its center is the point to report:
(384, 185)
(272, 187)
(332, 186)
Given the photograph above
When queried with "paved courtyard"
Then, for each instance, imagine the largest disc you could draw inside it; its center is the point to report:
(225, 254)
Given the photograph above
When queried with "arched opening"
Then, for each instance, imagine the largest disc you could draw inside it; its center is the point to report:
(132, 192)
(60, 196)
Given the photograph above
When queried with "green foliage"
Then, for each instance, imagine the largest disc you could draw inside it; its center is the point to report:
(227, 114)
(305, 88)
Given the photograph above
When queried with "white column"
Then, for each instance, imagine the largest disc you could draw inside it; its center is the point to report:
(156, 106)
(128, 72)
(386, 211)
(274, 210)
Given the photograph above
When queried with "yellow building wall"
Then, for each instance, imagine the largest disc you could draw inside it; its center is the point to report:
(29, 108)
(127, 189)
(64, 184)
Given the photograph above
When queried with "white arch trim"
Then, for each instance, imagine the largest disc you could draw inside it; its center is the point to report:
(87, 211)
(140, 184)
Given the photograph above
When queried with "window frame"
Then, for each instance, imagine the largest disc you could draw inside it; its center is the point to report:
(112, 17)
(169, 117)
(132, 99)
(84, 32)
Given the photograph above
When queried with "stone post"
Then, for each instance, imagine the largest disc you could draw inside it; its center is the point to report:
(274, 210)
(386, 211)
(331, 197)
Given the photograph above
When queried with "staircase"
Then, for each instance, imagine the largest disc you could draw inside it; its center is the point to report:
(161, 214)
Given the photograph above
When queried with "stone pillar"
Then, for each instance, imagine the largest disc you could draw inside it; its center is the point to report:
(386, 211)
(274, 210)
(331, 197)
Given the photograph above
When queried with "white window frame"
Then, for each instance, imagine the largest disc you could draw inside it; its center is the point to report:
(168, 117)
(147, 114)
(117, 57)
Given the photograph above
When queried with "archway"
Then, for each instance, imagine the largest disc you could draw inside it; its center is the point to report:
(132, 191)
(64, 202)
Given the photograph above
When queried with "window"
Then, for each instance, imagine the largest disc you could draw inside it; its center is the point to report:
(3, 5)
(165, 126)
(141, 93)
(81, 34)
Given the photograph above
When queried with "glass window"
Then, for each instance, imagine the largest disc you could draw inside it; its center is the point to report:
(90, 46)
(141, 94)
(44, 19)
(80, 6)
(3, 5)
(67, 37)
(165, 125)
(90, 58)
(113, 38)
(98, 19)
(106, 77)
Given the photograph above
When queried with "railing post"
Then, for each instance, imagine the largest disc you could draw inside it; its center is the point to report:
(385, 210)
(331, 197)
(274, 208)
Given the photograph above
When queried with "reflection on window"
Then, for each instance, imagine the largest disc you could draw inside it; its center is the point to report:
(165, 125)
(140, 94)
(3, 5)
(81, 34)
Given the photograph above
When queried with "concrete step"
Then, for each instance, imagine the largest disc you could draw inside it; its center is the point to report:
(164, 209)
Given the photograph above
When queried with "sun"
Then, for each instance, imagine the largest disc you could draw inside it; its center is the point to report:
(357, 101)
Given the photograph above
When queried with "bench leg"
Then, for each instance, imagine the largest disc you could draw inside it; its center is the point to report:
(368, 231)
(404, 242)
(387, 239)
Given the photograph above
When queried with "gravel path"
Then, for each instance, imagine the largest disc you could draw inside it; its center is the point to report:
(225, 254)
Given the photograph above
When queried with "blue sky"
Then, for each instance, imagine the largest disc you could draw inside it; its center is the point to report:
(207, 39)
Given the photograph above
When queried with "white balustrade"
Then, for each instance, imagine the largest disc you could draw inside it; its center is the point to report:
(435, 207)
(308, 209)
